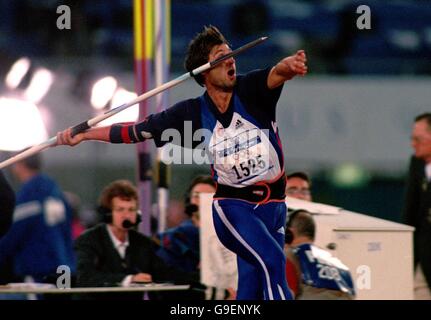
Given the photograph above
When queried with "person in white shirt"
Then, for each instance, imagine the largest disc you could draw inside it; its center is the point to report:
(114, 254)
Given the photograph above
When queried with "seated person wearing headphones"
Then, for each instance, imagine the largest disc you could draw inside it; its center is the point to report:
(113, 253)
(179, 246)
(313, 273)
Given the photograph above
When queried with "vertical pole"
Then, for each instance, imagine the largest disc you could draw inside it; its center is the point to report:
(143, 51)
(161, 59)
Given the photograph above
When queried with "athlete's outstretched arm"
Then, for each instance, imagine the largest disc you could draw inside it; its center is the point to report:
(151, 127)
(287, 68)
(116, 133)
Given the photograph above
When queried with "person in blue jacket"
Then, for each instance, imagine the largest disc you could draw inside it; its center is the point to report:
(312, 272)
(39, 240)
(179, 246)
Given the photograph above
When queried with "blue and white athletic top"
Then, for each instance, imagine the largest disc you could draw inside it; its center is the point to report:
(242, 144)
(320, 269)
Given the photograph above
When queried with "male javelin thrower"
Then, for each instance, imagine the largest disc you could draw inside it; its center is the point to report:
(249, 211)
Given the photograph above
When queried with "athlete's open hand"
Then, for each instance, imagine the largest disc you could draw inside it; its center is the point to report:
(293, 65)
(288, 68)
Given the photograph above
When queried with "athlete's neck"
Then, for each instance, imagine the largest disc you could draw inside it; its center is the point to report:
(221, 99)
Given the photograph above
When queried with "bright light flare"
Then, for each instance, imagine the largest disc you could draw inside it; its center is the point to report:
(21, 125)
(102, 92)
(17, 72)
(130, 114)
(39, 85)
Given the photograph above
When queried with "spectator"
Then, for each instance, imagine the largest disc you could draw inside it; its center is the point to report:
(313, 273)
(298, 186)
(114, 254)
(417, 208)
(39, 240)
(179, 246)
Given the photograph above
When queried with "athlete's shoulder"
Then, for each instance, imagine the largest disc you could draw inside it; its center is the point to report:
(257, 75)
(186, 103)
(185, 108)
(253, 88)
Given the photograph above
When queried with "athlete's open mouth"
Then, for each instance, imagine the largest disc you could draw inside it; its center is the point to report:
(231, 72)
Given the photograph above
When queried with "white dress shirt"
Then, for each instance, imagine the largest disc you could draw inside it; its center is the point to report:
(121, 249)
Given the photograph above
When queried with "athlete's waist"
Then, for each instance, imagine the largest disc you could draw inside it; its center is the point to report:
(259, 192)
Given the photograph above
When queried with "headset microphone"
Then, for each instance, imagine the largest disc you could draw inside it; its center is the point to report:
(127, 224)
(190, 209)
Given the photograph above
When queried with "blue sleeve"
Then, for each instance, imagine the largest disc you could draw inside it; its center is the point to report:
(12, 240)
(253, 89)
(169, 125)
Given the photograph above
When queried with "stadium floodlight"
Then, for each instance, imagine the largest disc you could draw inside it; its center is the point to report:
(21, 125)
(39, 85)
(120, 97)
(17, 72)
(102, 92)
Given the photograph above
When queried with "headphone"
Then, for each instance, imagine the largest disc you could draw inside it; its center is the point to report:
(189, 208)
(106, 215)
(288, 234)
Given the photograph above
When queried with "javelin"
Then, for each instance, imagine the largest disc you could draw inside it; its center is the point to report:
(93, 121)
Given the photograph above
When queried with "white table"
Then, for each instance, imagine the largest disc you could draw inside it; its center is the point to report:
(136, 288)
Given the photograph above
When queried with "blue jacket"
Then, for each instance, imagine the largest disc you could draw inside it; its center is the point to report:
(320, 269)
(40, 239)
(179, 246)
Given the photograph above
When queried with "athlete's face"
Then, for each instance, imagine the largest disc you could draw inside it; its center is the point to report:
(421, 140)
(223, 76)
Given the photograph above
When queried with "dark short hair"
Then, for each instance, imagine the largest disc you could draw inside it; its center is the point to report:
(299, 174)
(123, 189)
(302, 221)
(199, 49)
(205, 179)
(190, 209)
(426, 117)
(33, 162)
